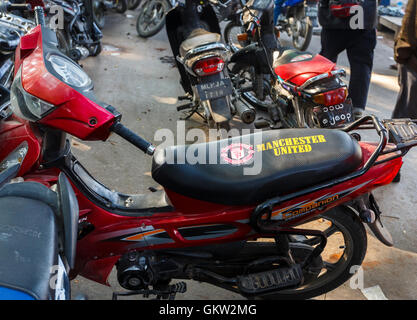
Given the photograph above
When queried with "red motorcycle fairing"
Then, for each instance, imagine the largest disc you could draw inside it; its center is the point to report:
(13, 132)
(75, 111)
(297, 67)
(105, 235)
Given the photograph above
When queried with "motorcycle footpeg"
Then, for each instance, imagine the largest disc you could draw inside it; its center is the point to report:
(262, 282)
(185, 106)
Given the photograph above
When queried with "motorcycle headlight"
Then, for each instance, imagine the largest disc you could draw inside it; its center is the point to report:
(24, 105)
(68, 71)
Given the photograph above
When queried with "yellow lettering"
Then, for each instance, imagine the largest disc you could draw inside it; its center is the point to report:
(268, 146)
(277, 152)
(321, 138)
(275, 144)
(307, 148)
(284, 150)
(308, 139)
(314, 139)
(288, 142)
(301, 140)
(260, 147)
(301, 149)
(281, 142)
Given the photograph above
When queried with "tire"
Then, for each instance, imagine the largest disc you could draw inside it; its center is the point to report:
(308, 35)
(133, 4)
(63, 44)
(96, 50)
(227, 34)
(98, 14)
(355, 238)
(121, 6)
(152, 9)
(250, 97)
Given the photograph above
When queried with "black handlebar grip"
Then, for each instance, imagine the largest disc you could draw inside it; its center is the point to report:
(133, 138)
(19, 6)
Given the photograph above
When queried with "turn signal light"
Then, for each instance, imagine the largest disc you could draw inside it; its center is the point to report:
(331, 98)
(208, 66)
(242, 37)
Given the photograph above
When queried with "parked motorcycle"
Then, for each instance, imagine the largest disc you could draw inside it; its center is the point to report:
(296, 23)
(80, 37)
(12, 27)
(194, 36)
(212, 222)
(39, 235)
(297, 89)
(101, 6)
(151, 18)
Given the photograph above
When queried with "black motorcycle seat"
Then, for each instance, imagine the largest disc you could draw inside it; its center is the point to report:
(28, 242)
(281, 162)
(198, 37)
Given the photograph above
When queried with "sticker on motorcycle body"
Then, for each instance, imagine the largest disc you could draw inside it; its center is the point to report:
(291, 145)
(302, 208)
(144, 236)
(237, 153)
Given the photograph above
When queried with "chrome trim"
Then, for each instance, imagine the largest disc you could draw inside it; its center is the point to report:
(341, 72)
(203, 48)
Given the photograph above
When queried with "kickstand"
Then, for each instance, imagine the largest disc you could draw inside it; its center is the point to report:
(192, 112)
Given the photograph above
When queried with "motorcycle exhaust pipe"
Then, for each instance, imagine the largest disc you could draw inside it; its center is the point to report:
(246, 113)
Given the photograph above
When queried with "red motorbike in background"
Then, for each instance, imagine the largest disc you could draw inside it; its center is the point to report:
(298, 89)
(270, 235)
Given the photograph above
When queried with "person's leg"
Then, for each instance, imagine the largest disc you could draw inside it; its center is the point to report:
(360, 53)
(332, 43)
(406, 106)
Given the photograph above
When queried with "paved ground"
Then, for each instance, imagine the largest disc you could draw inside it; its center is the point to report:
(135, 75)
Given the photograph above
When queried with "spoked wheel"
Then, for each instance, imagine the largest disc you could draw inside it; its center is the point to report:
(302, 31)
(132, 4)
(63, 44)
(151, 18)
(98, 14)
(244, 81)
(121, 6)
(231, 31)
(346, 247)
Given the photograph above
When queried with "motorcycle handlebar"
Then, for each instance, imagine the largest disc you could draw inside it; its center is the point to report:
(6, 6)
(133, 138)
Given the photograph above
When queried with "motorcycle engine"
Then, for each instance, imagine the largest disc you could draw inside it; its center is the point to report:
(138, 270)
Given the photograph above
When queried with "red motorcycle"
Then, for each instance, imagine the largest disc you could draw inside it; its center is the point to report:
(298, 89)
(292, 231)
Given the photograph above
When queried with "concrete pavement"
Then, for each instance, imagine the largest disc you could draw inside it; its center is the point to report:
(135, 76)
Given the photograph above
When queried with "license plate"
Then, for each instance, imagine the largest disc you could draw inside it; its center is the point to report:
(334, 116)
(216, 89)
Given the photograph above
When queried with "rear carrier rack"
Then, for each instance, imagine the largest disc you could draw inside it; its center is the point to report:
(401, 132)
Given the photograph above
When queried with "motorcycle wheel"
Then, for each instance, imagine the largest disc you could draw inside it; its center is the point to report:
(230, 33)
(132, 4)
(340, 225)
(121, 6)
(246, 74)
(98, 14)
(63, 44)
(151, 18)
(95, 50)
(302, 31)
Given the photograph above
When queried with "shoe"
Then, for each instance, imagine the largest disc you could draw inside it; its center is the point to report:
(357, 113)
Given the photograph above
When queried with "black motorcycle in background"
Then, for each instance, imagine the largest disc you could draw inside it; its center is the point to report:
(101, 6)
(194, 36)
(12, 27)
(80, 36)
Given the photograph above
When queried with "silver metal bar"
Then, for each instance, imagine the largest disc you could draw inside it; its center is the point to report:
(341, 72)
